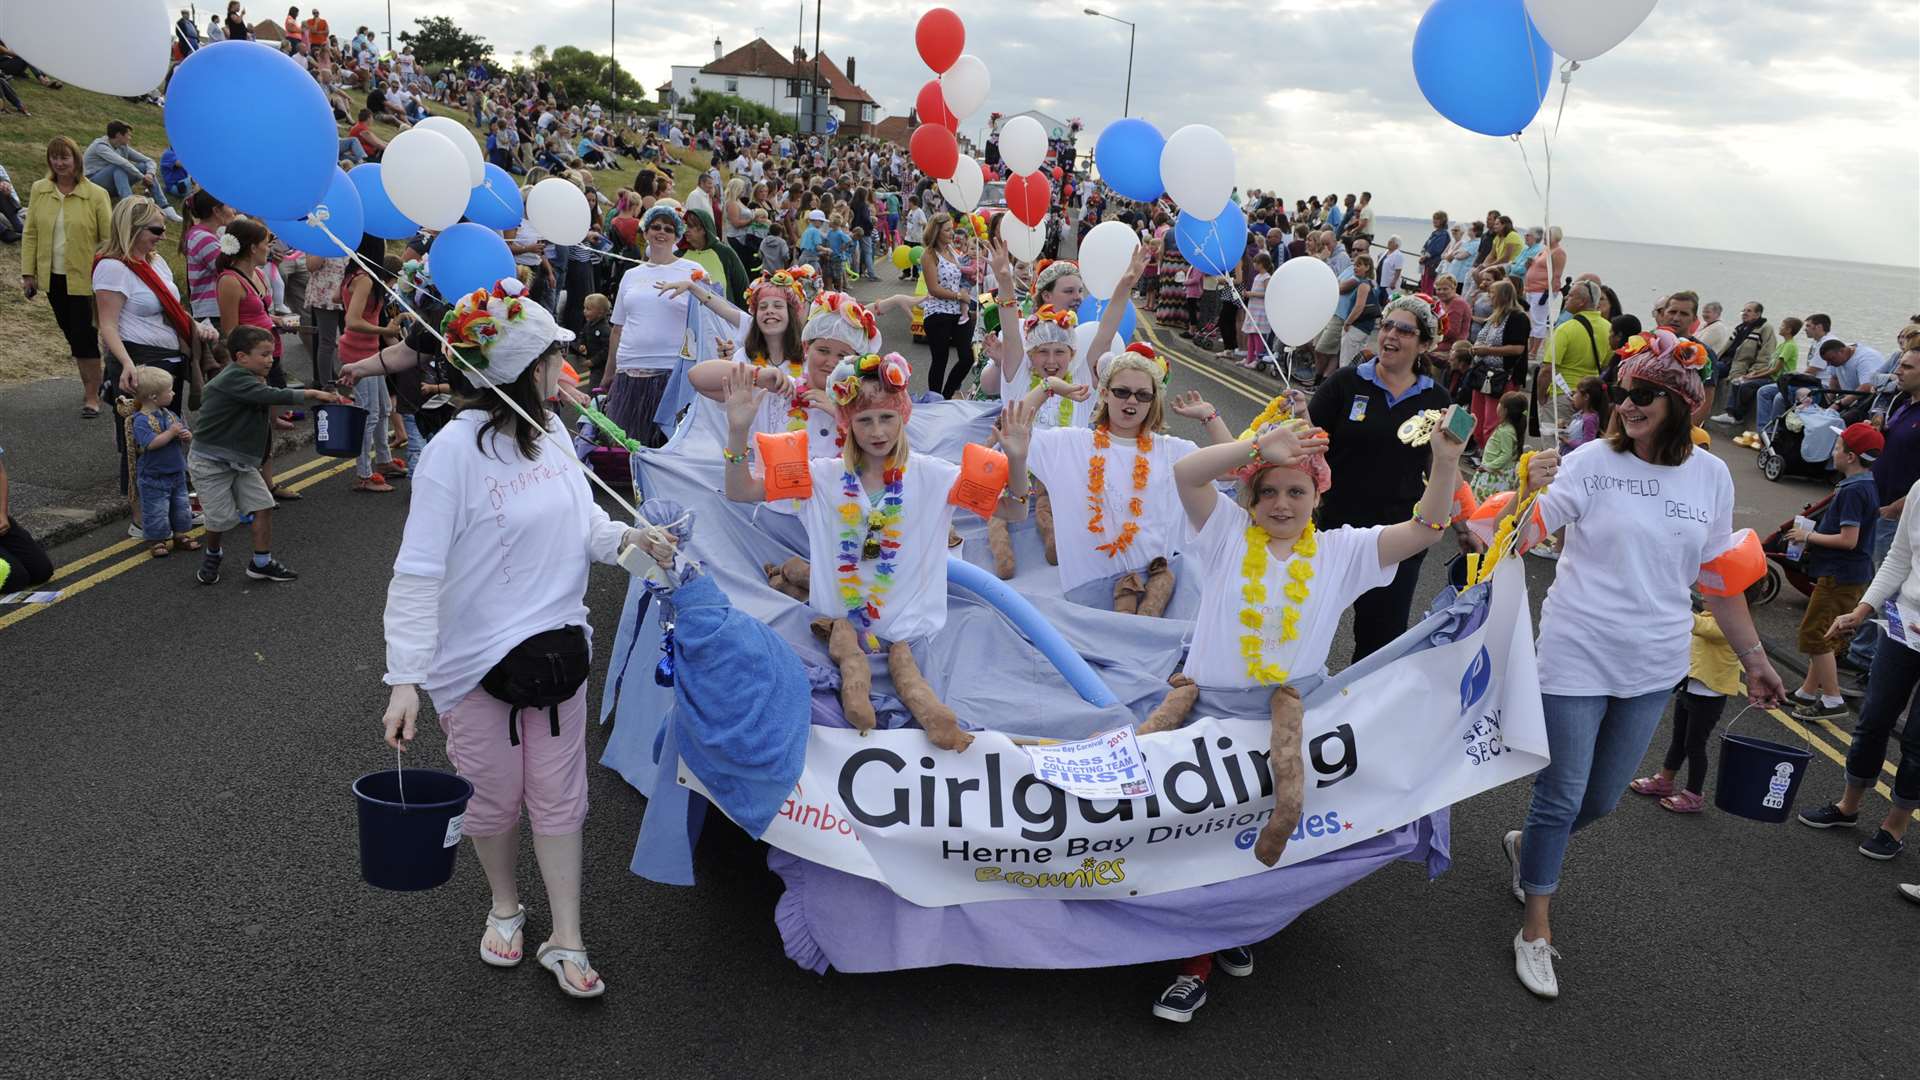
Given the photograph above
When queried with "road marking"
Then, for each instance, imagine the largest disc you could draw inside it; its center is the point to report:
(143, 558)
(1243, 389)
(111, 550)
(1817, 743)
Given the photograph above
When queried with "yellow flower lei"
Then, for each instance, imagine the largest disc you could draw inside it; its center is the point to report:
(1253, 572)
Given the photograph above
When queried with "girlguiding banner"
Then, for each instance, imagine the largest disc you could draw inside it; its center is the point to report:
(1409, 731)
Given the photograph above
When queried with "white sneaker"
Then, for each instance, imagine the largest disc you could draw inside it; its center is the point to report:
(1511, 845)
(1911, 892)
(135, 532)
(1724, 418)
(1533, 962)
(170, 214)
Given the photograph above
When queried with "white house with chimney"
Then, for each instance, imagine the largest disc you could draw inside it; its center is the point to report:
(759, 73)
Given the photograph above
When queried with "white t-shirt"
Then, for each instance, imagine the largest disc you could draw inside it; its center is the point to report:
(653, 326)
(1020, 383)
(1617, 620)
(142, 320)
(509, 540)
(699, 200)
(527, 234)
(1346, 563)
(1059, 457)
(916, 604)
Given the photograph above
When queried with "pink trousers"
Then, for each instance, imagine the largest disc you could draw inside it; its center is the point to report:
(546, 774)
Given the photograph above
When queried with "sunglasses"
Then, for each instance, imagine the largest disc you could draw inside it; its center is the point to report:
(1642, 396)
(1397, 327)
(1121, 393)
(157, 230)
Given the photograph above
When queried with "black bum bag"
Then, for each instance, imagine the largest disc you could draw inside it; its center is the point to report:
(541, 672)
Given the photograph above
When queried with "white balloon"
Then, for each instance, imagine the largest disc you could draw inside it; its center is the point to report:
(1023, 144)
(1300, 299)
(459, 136)
(559, 211)
(965, 85)
(1197, 167)
(963, 191)
(1104, 255)
(1023, 241)
(119, 47)
(426, 177)
(1582, 29)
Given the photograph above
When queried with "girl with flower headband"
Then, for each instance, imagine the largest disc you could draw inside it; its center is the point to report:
(1113, 506)
(877, 518)
(1269, 612)
(1616, 623)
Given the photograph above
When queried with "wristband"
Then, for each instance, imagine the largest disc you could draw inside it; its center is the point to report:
(1436, 527)
(1211, 417)
(1758, 646)
(733, 458)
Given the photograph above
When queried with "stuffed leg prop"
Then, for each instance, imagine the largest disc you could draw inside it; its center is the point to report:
(1159, 589)
(856, 680)
(1043, 519)
(1172, 711)
(1127, 594)
(1000, 542)
(791, 577)
(939, 722)
(1288, 776)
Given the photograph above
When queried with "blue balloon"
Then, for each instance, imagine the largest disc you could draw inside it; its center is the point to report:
(252, 128)
(382, 220)
(1128, 157)
(1213, 246)
(1028, 620)
(1482, 64)
(345, 219)
(1092, 307)
(468, 257)
(495, 203)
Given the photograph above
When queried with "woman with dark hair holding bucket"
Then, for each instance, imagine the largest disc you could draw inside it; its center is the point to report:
(1648, 518)
(486, 612)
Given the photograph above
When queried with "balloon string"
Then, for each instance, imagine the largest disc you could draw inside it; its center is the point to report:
(1240, 301)
(376, 274)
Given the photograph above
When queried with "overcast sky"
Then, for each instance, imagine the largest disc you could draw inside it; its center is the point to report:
(1785, 126)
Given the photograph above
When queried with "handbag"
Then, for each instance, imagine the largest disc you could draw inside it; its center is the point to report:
(541, 672)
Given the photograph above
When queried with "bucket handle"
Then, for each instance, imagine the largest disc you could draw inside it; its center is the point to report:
(400, 777)
(1728, 730)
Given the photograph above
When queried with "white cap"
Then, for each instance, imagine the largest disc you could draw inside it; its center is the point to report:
(816, 215)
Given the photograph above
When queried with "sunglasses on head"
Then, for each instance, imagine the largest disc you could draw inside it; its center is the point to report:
(1642, 396)
(1121, 393)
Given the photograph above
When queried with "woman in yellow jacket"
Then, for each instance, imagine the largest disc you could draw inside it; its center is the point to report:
(68, 216)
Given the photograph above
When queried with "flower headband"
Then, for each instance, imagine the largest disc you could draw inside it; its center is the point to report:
(1061, 317)
(848, 310)
(789, 280)
(892, 370)
(472, 327)
(229, 243)
(1315, 466)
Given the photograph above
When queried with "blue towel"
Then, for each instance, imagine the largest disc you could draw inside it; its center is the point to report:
(699, 339)
(742, 705)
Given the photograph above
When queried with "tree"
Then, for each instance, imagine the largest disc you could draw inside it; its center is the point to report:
(707, 104)
(439, 42)
(580, 75)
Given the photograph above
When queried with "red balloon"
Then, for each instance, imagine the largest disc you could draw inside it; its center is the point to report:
(940, 37)
(935, 151)
(932, 107)
(986, 173)
(1057, 174)
(1028, 198)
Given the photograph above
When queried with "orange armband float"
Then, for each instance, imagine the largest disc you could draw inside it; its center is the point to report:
(1464, 503)
(1484, 518)
(983, 476)
(1730, 572)
(784, 457)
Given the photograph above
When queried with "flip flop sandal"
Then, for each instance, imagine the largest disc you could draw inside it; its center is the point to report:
(1653, 786)
(160, 550)
(186, 543)
(1684, 802)
(283, 495)
(89, 412)
(553, 958)
(505, 929)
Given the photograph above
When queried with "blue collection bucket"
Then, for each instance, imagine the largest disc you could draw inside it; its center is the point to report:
(410, 826)
(339, 430)
(1758, 779)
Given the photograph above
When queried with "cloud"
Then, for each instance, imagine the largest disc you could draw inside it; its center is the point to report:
(1739, 124)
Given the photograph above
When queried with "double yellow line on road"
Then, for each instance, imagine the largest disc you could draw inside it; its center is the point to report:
(142, 558)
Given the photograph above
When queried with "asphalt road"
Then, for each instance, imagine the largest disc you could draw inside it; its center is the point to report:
(184, 893)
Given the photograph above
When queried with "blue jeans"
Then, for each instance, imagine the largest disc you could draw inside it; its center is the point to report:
(164, 510)
(1596, 744)
(1867, 639)
(415, 441)
(1895, 673)
(120, 186)
(351, 150)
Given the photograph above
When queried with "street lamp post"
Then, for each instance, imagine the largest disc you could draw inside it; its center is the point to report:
(1126, 103)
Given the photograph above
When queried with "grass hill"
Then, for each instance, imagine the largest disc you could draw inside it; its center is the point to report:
(31, 346)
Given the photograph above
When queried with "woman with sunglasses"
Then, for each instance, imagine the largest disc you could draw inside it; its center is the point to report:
(1378, 477)
(1648, 518)
(649, 326)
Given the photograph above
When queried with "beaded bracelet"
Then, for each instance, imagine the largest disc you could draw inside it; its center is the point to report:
(740, 458)
(1423, 521)
(1211, 417)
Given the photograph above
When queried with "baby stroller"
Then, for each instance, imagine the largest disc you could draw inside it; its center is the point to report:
(1782, 567)
(1800, 440)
